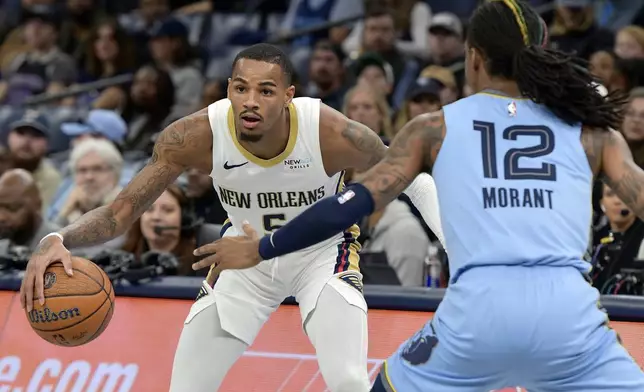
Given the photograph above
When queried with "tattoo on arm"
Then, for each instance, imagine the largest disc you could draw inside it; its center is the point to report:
(171, 154)
(367, 145)
(624, 177)
(414, 148)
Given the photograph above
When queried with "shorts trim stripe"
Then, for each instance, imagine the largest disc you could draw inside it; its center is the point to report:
(348, 258)
(227, 225)
(385, 377)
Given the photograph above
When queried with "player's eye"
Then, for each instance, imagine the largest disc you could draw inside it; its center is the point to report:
(267, 92)
(240, 89)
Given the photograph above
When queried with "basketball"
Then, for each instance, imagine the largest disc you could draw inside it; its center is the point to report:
(77, 309)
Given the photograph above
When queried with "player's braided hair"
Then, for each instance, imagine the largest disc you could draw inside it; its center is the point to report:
(512, 37)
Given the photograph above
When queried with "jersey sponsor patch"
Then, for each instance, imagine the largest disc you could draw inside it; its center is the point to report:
(352, 280)
(346, 196)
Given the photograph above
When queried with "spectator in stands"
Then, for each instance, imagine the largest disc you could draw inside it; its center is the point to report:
(303, 14)
(203, 198)
(13, 37)
(367, 106)
(629, 43)
(42, 68)
(617, 244)
(146, 108)
(372, 70)
(444, 77)
(327, 74)
(28, 143)
(379, 36)
(397, 233)
(213, 91)
(602, 65)
(446, 47)
(75, 31)
(633, 125)
(96, 167)
(108, 53)
(171, 52)
(141, 22)
(20, 210)
(412, 19)
(424, 97)
(159, 229)
(629, 73)
(574, 29)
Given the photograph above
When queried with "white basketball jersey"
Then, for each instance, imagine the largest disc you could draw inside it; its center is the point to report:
(269, 192)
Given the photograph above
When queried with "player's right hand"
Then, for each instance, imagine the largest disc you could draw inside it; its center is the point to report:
(48, 252)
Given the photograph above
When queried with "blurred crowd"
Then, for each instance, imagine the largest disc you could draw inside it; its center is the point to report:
(86, 86)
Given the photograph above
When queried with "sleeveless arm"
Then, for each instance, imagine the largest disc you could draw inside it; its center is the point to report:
(414, 148)
(618, 169)
(348, 144)
(174, 152)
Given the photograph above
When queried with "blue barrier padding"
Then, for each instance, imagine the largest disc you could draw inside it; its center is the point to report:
(619, 307)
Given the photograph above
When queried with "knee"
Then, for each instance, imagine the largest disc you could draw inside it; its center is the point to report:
(350, 380)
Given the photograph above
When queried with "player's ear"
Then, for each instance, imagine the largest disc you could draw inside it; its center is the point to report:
(290, 93)
(228, 87)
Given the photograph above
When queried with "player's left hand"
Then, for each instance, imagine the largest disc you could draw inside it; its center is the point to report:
(239, 252)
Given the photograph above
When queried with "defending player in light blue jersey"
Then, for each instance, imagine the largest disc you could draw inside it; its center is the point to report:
(514, 166)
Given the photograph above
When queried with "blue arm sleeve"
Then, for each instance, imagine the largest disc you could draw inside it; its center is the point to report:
(319, 222)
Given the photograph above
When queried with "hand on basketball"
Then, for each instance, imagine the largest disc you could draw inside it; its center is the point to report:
(48, 252)
(239, 252)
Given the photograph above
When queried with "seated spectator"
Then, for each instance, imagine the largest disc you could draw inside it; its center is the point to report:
(28, 144)
(372, 70)
(575, 30)
(171, 52)
(327, 74)
(368, 107)
(446, 45)
(411, 20)
(20, 210)
(424, 97)
(444, 77)
(629, 43)
(618, 243)
(75, 31)
(141, 22)
(161, 229)
(633, 125)
(5, 159)
(602, 66)
(42, 68)
(203, 197)
(213, 91)
(397, 233)
(108, 52)
(96, 167)
(629, 73)
(146, 108)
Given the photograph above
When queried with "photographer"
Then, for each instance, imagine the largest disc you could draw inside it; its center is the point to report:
(166, 227)
(620, 243)
(21, 219)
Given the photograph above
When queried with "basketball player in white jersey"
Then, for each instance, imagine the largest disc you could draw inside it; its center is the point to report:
(270, 156)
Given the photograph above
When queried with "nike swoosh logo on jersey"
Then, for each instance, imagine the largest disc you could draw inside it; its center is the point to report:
(228, 167)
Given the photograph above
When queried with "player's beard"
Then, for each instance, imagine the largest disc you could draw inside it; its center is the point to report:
(251, 138)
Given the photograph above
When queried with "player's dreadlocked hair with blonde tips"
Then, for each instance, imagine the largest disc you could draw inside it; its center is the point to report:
(513, 38)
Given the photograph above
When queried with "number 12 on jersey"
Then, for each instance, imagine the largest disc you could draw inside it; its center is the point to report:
(512, 169)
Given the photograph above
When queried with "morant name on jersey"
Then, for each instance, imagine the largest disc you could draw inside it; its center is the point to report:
(270, 200)
(504, 197)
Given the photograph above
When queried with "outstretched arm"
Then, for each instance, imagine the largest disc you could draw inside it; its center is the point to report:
(414, 148)
(347, 144)
(173, 152)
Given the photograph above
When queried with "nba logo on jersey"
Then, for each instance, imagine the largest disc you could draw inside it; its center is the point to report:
(512, 109)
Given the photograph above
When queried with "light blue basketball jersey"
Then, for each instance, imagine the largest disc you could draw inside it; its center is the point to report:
(514, 185)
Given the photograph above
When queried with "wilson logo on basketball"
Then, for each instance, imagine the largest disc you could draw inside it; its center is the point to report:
(47, 316)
